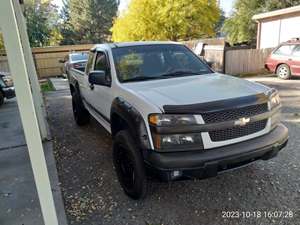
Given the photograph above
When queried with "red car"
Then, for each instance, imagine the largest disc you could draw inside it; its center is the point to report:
(285, 60)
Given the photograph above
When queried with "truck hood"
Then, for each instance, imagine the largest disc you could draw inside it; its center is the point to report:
(195, 89)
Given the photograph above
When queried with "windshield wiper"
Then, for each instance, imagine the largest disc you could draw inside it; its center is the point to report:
(178, 73)
(141, 78)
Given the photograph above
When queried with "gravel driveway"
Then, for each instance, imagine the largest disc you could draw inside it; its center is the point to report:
(92, 194)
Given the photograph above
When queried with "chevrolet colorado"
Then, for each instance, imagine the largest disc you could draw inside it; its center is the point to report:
(171, 115)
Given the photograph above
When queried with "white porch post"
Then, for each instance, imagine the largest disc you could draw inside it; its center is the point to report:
(33, 78)
(19, 70)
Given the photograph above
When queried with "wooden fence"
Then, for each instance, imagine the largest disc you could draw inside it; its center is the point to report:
(243, 61)
(47, 59)
(213, 52)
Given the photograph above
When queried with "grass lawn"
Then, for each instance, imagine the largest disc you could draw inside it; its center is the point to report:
(47, 86)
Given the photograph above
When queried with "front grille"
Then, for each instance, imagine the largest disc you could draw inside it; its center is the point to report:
(234, 114)
(236, 132)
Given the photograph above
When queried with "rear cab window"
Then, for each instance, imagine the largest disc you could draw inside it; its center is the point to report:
(79, 57)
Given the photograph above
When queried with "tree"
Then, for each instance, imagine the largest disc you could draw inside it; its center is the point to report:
(92, 19)
(166, 20)
(41, 19)
(219, 24)
(279, 4)
(65, 27)
(240, 27)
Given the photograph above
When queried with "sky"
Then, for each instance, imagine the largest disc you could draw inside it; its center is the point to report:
(226, 5)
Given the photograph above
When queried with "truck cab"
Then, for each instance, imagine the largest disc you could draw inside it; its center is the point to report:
(170, 115)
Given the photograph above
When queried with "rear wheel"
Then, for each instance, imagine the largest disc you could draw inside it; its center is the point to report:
(129, 165)
(283, 72)
(1, 98)
(81, 115)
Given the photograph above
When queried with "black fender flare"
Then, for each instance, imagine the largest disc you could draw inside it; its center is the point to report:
(134, 122)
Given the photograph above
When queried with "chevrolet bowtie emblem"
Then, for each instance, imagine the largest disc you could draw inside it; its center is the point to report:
(242, 121)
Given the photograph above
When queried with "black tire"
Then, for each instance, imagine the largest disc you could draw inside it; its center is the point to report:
(81, 115)
(129, 165)
(1, 98)
(283, 72)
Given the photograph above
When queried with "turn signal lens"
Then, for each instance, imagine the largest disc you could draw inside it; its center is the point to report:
(274, 100)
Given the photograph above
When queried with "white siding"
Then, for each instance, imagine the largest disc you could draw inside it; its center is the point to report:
(290, 28)
(269, 34)
(280, 30)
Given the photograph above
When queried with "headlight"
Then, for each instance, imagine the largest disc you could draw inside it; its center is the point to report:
(174, 142)
(8, 81)
(274, 100)
(171, 120)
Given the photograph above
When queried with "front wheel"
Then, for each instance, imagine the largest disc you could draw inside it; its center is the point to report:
(1, 98)
(283, 72)
(129, 165)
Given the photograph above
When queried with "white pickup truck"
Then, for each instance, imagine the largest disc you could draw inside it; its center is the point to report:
(171, 115)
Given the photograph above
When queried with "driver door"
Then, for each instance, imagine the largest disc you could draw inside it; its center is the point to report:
(100, 96)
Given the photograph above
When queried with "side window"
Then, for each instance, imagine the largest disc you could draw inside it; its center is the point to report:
(2, 84)
(296, 51)
(101, 62)
(285, 50)
(89, 64)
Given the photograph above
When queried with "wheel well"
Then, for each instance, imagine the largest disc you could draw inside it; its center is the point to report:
(72, 88)
(117, 124)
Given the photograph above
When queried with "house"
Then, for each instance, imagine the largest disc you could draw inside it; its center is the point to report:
(277, 26)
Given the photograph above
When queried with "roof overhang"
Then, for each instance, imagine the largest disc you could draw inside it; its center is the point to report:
(277, 13)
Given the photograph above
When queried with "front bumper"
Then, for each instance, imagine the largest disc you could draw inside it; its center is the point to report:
(208, 163)
(9, 92)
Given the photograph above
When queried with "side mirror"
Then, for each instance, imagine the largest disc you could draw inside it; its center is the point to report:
(61, 61)
(98, 77)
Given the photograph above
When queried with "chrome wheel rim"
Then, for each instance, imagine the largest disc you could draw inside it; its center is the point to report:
(283, 72)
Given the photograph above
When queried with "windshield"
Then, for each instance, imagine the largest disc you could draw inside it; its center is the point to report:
(145, 62)
(79, 57)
